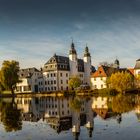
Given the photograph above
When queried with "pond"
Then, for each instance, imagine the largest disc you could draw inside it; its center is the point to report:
(83, 118)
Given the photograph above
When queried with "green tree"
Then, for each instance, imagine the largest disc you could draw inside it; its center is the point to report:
(120, 81)
(74, 82)
(11, 117)
(9, 75)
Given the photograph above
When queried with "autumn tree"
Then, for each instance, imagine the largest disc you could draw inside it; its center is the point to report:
(9, 75)
(120, 81)
(74, 82)
(122, 104)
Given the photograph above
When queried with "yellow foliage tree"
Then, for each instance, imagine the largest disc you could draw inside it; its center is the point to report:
(121, 81)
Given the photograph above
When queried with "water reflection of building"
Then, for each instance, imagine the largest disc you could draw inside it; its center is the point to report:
(32, 109)
(60, 116)
(101, 107)
(137, 108)
(57, 113)
(89, 116)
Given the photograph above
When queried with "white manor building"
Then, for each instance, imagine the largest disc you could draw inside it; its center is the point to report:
(31, 81)
(56, 73)
(137, 73)
(59, 69)
(137, 68)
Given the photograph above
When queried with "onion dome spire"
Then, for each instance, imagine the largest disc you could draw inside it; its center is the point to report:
(72, 50)
(86, 53)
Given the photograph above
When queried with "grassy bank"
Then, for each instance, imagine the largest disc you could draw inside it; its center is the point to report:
(99, 92)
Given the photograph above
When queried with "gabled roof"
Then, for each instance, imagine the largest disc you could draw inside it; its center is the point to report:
(27, 73)
(62, 63)
(104, 71)
(99, 72)
(102, 112)
(137, 66)
(109, 70)
(57, 62)
(131, 70)
(58, 59)
(93, 69)
(105, 113)
(138, 60)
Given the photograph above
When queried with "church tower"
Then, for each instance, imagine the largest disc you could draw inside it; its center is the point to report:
(89, 117)
(73, 60)
(117, 64)
(87, 66)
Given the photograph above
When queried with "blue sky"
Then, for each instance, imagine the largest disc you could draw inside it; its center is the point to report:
(31, 31)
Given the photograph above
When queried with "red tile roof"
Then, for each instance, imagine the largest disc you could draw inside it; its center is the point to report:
(104, 71)
(131, 70)
(99, 73)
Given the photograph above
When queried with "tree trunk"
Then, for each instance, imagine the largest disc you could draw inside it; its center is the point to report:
(13, 102)
(12, 91)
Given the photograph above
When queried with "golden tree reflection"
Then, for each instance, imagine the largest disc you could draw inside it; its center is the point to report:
(122, 103)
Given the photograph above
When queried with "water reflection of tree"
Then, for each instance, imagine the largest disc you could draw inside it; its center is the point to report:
(122, 103)
(75, 104)
(10, 117)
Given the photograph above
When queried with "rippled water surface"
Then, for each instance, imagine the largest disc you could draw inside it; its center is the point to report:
(83, 118)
